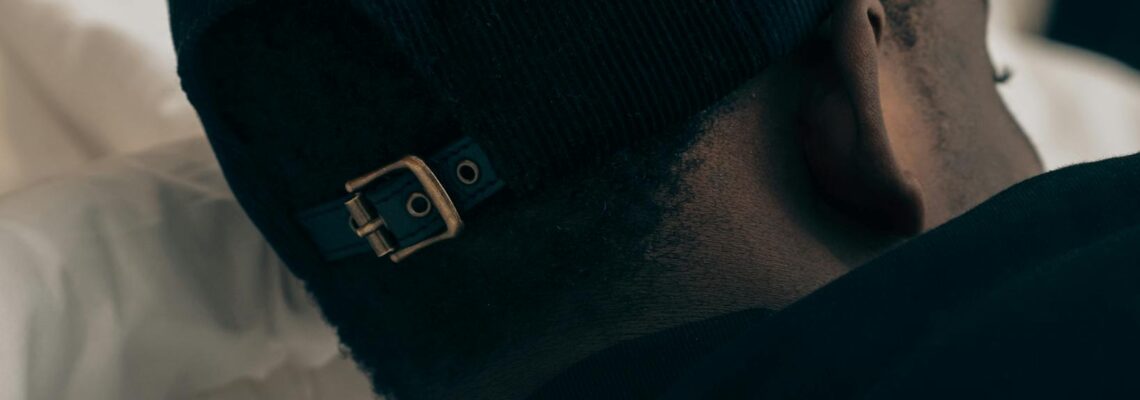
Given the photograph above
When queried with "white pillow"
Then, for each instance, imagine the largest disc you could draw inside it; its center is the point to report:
(141, 278)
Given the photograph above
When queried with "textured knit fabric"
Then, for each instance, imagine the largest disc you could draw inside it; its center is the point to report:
(544, 86)
(1035, 294)
(298, 97)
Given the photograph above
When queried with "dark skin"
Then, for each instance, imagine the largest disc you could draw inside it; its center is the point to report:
(869, 135)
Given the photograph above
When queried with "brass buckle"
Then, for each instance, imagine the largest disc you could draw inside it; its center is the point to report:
(368, 226)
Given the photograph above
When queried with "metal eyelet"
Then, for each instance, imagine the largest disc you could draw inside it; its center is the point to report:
(418, 205)
(467, 172)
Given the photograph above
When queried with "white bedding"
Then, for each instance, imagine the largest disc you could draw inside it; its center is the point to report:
(127, 270)
(91, 78)
(140, 278)
(1075, 106)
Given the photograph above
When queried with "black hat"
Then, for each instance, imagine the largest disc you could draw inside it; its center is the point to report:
(510, 93)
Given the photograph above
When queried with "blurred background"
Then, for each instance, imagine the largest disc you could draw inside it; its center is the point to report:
(128, 271)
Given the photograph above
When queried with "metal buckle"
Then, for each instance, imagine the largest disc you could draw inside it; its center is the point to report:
(369, 227)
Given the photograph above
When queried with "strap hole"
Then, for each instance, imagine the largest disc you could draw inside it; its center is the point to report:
(418, 205)
(468, 172)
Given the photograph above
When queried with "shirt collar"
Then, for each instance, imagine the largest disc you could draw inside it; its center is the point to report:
(645, 367)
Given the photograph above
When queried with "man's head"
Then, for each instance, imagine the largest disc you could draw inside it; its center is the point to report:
(883, 124)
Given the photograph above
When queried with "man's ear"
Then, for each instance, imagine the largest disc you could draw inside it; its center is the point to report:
(844, 136)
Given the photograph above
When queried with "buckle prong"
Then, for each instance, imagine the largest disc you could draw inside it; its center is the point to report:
(370, 227)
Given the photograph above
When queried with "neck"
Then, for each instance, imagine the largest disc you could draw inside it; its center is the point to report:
(739, 229)
(715, 254)
(677, 292)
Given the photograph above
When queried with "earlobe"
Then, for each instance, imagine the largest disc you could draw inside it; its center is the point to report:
(844, 136)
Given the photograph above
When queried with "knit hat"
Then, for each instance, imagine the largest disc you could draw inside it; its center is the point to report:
(286, 95)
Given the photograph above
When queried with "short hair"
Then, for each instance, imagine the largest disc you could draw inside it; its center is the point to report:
(901, 17)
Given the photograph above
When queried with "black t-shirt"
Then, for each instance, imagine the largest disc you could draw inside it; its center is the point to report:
(1034, 294)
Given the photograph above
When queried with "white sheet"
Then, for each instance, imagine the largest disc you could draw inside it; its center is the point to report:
(141, 278)
(99, 74)
(1075, 106)
(132, 276)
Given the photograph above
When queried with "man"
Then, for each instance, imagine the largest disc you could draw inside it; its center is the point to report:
(641, 187)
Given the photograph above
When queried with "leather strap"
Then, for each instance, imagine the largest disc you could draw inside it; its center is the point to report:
(329, 227)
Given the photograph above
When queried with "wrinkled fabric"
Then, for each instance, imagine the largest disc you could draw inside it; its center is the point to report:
(89, 79)
(111, 283)
(141, 278)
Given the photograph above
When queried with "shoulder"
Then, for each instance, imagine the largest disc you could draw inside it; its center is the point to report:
(1033, 294)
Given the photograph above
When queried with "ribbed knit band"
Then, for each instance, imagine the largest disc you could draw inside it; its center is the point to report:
(546, 85)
